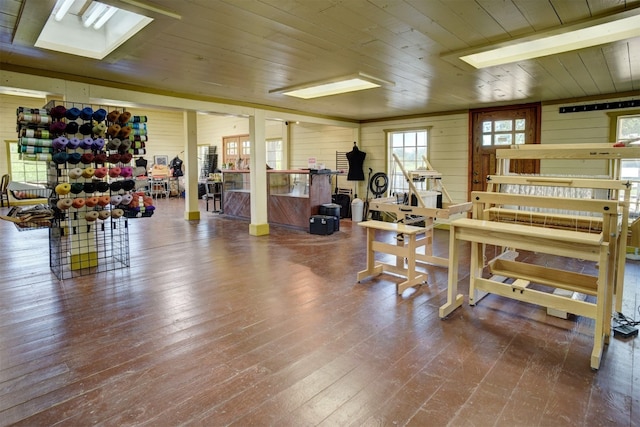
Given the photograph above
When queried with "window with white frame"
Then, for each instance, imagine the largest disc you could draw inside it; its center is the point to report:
(410, 148)
(628, 130)
(275, 153)
(24, 170)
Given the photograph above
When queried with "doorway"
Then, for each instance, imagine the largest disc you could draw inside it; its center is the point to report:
(236, 151)
(501, 127)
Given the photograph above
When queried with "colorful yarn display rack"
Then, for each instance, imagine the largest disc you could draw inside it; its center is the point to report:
(89, 150)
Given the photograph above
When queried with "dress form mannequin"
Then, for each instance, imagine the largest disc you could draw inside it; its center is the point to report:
(141, 162)
(356, 160)
(176, 166)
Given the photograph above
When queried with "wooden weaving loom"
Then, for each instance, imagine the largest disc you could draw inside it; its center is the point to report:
(407, 214)
(594, 230)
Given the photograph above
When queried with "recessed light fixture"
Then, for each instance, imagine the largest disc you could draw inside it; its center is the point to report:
(585, 34)
(345, 84)
(93, 33)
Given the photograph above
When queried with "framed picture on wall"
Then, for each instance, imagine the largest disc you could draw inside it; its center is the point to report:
(161, 160)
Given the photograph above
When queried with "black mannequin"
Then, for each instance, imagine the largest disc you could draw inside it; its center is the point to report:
(176, 166)
(141, 162)
(356, 160)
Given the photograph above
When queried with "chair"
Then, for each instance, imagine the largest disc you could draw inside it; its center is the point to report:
(4, 193)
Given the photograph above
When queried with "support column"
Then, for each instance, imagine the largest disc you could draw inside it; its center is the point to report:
(192, 210)
(258, 164)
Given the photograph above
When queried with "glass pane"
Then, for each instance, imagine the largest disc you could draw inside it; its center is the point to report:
(486, 127)
(503, 125)
(409, 147)
(630, 169)
(486, 140)
(33, 172)
(410, 138)
(503, 139)
(628, 127)
(421, 139)
(519, 138)
(409, 155)
(520, 123)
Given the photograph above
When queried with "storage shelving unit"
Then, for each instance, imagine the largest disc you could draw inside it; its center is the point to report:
(90, 189)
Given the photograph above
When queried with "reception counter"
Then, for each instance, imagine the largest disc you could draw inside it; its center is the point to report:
(293, 195)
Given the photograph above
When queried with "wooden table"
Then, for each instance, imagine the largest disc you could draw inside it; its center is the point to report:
(405, 248)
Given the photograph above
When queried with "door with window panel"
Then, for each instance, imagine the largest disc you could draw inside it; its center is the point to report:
(237, 151)
(493, 129)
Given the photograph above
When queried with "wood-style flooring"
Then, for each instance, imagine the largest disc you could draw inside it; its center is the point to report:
(211, 326)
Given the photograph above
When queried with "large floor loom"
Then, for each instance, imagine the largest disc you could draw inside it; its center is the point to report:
(585, 218)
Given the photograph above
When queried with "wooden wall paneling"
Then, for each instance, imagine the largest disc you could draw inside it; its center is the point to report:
(166, 132)
(618, 57)
(220, 46)
(557, 69)
(8, 106)
(571, 11)
(595, 65)
(541, 15)
(508, 16)
(481, 27)
(634, 62)
(319, 141)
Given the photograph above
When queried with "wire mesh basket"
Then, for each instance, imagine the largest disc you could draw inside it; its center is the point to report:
(24, 191)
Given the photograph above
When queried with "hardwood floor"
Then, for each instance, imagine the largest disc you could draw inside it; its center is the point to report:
(210, 326)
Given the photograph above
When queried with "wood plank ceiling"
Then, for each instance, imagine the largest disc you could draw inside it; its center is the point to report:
(239, 50)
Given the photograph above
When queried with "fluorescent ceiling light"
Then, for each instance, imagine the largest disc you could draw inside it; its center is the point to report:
(332, 87)
(96, 9)
(105, 17)
(573, 37)
(61, 9)
(94, 34)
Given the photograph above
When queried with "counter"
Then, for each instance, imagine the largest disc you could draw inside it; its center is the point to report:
(293, 195)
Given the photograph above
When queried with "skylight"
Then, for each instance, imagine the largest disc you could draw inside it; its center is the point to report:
(89, 28)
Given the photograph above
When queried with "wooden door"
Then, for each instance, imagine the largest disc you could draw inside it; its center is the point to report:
(495, 128)
(236, 150)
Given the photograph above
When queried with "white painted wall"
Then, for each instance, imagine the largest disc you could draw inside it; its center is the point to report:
(314, 137)
(571, 128)
(448, 147)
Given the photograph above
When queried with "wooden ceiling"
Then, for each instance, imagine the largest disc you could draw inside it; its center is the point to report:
(239, 50)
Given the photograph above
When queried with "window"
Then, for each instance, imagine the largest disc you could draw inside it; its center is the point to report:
(410, 148)
(22, 170)
(237, 150)
(503, 132)
(275, 153)
(627, 128)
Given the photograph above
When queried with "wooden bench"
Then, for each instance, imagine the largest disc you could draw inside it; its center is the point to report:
(573, 244)
(404, 248)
